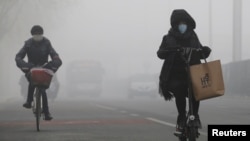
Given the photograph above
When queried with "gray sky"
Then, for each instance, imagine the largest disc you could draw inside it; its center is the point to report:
(123, 35)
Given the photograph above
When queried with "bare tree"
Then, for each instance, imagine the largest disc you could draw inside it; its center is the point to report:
(11, 11)
(8, 14)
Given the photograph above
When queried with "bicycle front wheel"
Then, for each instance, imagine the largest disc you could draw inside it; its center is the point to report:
(192, 134)
(182, 138)
(38, 109)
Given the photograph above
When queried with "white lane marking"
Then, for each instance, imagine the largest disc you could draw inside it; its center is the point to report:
(203, 133)
(123, 111)
(134, 115)
(106, 107)
(148, 118)
(168, 124)
(161, 122)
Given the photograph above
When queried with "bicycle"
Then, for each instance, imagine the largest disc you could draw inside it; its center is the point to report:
(40, 78)
(190, 131)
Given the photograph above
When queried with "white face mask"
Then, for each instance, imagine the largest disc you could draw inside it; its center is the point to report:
(182, 28)
(37, 37)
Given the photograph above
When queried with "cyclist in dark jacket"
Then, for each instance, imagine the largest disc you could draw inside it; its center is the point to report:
(38, 49)
(173, 76)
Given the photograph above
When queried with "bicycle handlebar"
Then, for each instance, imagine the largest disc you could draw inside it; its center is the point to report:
(185, 52)
(181, 49)
(28, 69)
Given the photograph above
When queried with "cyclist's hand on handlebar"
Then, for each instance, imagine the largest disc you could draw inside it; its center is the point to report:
(50, 67)
(187, 50)
(53, 69)
(25, 69)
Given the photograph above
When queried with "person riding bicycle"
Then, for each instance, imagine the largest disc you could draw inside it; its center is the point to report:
(38, 49)
(173, 77)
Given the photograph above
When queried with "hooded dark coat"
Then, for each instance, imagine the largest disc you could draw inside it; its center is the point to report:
(174, 39)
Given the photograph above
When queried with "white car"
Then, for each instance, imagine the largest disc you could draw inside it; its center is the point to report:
(143, 85)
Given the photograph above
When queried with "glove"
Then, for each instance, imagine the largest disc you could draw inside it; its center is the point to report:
(50, 66)
(27, 67)
(205, 50)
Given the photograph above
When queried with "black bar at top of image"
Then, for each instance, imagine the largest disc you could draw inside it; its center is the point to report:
(221, 132)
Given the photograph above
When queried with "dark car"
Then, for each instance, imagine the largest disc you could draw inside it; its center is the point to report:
(142, 85)
(84, 77)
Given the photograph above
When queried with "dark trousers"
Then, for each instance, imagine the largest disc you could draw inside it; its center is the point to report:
(31, 90)
(179, 87)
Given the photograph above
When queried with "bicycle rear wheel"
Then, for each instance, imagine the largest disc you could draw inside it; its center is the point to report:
(38, 109)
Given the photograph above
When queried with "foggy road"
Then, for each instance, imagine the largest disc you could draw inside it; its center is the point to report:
(110, 48)
(114, 119)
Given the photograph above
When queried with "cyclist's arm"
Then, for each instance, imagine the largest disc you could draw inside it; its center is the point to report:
(23, 65)
(167, 47)
(56, 61)
(203, 50)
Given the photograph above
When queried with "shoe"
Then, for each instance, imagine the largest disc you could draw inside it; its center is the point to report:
(27, 105)
(48, 116)
(181, 120)
(197, 122)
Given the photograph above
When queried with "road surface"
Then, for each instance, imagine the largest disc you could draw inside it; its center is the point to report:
(139, 119)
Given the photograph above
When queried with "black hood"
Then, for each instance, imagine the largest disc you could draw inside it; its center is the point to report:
(179, 15)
